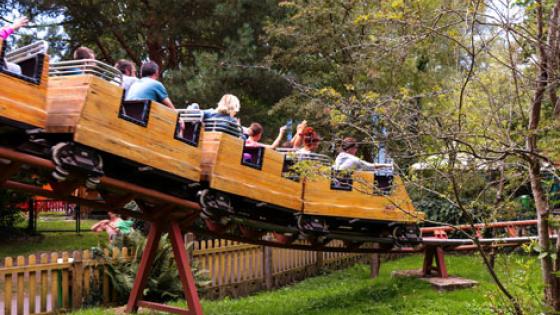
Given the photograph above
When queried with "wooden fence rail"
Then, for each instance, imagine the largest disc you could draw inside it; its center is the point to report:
(57, 282)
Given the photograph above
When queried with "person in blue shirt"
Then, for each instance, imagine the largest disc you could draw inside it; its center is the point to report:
(149, 88)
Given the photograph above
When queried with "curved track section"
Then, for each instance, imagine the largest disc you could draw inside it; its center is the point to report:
(156, 206)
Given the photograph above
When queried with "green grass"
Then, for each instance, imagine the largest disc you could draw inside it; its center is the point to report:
(54, 241)
(351, 291)
(65, 225)
(51, 242)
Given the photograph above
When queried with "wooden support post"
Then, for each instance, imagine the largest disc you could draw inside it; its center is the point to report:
(437, 253)
(183, 266)
(78, 217)
(31, 227)
(268, 268)
(189, 239)
(375, 263)
(318, 261)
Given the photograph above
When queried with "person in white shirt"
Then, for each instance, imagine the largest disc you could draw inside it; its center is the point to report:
(347, 159)
(128, 70)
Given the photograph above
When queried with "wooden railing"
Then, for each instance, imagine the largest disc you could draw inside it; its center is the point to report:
(47, 284)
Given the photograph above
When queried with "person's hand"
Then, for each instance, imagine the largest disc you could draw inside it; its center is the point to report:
(283, 129)
(19, 23)
(302, 125)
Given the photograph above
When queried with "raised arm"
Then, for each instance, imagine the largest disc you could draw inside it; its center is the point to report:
(276, 142)
(297, 141)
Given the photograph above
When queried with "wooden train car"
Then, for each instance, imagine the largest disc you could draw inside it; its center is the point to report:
(23, 91)
(248, 179)
(358, 195)
(86, 102)
(91, 129)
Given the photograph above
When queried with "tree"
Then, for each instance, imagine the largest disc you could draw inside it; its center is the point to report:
(450, 82)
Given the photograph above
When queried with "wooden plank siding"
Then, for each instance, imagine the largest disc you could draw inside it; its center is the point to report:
(222, 168)
(65, 100)
(22, 101)
(89, 107)
(361, 203)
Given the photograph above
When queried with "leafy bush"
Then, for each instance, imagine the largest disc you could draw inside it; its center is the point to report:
(10, 215)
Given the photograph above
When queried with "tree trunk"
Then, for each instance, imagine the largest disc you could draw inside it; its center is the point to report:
(547, 267)
(534, 163)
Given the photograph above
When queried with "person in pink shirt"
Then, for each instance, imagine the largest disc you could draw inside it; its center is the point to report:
(9, 30)
(255, 134)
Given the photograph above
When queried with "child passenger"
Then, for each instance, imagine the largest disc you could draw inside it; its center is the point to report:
(255, 135)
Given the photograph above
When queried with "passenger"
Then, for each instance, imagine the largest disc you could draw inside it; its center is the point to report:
(125, 225)
(82, 53)
(255, 135)
(109, 226)
(227, 108)
(128, 70)
(6, 31)
(297, 141)
(310, 140)
(149, 88)
(347, 159)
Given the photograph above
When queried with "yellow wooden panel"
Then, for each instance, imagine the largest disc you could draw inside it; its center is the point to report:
(65, 100)
(22, 101)
(320, 199)
(154, 145)
(223, 169)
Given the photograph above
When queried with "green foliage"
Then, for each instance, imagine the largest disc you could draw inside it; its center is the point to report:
(162, 285)
(10, 214)
(439, 209)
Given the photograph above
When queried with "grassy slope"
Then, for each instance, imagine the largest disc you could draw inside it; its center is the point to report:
(351, 292)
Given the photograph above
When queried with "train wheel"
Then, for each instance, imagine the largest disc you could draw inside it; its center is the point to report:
(311, 228)
(68, 156)
(215, 200)
(406, 234)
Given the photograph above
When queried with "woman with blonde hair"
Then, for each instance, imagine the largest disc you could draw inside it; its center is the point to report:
(227, 108)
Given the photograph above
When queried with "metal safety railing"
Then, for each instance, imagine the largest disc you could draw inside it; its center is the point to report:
(296, 156)
(23, 53)
(86, 66)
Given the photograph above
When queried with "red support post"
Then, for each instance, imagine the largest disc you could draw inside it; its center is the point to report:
(144, 269)
(183, 266)
(437, 253)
